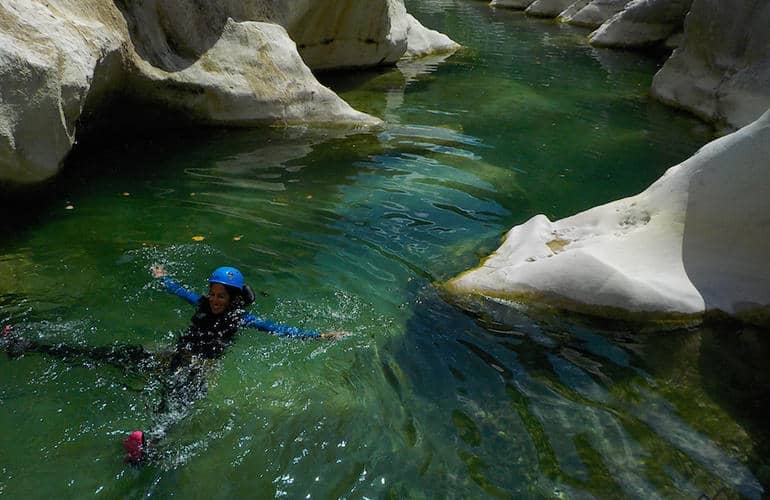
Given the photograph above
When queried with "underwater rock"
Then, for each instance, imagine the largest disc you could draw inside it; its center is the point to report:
(548, 8)
(64, 63)
(511, 4)
(695, 241)
(642, 22)
(721, 70)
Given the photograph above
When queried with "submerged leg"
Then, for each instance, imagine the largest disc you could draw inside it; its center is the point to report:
(183, 384)
(128, 357)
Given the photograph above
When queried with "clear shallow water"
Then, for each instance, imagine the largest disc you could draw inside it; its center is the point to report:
(351, 232)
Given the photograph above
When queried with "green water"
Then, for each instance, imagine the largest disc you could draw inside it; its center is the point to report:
(351, 232)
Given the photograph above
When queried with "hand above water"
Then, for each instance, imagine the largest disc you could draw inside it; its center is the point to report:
(158, 271)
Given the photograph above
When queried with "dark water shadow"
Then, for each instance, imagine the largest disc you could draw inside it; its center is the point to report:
(730, 359)
(575, 403)
(141, 163)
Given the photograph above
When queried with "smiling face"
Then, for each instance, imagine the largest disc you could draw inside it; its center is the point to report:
(219, 299)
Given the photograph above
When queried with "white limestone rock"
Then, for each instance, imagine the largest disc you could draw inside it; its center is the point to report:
(696, 240)
(48, 58)
(641, 23)
(335, 34)
(60, 57)
(573, 9)
(252, 74)
(721, 70)
(548, 8)
(511, 4)
(597, 12)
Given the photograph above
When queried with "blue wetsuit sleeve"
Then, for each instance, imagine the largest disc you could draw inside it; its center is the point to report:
(180, 291)
(251, 321)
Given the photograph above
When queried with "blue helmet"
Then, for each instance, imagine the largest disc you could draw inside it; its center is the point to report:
(228, 276)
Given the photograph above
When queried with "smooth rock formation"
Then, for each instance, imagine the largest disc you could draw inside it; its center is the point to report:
(48, 61)
(228, 62)
(597, 12)
(252, 74)
(566, 14)
(721, 71)
(696, 240)
(334, 34)
(641, 23)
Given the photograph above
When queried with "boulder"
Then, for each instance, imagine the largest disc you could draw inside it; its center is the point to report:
(573, 9)
(339, 34)
(597, 12)
(642, 23)
(333, 34)
(694, 242)
(50, 55)
(251, 75)
(721, 70)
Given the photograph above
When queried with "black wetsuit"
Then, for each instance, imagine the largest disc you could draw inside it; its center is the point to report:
(210, 334)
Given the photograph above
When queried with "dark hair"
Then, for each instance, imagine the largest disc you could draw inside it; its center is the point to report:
(240, 298)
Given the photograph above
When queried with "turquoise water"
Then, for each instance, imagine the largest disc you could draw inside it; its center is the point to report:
(352, 232)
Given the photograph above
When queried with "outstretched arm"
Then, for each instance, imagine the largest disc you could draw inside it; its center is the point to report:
(173, 287)
(252, 321)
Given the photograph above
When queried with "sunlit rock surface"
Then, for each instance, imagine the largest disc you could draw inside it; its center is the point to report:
(721, 70)
(251, 74)
(696, 240)
(64, 62)
(642, 22)
(49, 60)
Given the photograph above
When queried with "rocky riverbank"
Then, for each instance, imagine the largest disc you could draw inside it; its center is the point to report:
(63, 63)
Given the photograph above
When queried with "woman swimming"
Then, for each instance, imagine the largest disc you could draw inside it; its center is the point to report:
(217, 318)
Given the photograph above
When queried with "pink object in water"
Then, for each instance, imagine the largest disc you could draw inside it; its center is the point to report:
(134, 445)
